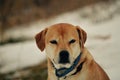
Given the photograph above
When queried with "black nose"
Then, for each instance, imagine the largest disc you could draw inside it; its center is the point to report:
(64, 57)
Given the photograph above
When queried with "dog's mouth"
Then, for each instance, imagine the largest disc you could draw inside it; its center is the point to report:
(63, 70)
(58, 66)
(63, 60)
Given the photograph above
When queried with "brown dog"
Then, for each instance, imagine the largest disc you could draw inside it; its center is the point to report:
(68, 59)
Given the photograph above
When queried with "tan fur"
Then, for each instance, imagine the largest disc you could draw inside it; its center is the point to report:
(62, 33)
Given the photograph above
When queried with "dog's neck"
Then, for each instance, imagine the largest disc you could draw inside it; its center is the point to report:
(73, 70)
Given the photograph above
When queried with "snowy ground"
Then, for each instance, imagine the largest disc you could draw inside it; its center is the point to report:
(101, 22)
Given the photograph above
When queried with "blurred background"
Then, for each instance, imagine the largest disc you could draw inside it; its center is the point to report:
(21, 20)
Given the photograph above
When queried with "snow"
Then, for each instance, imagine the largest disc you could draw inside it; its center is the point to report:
(19, 55)
(103, 38)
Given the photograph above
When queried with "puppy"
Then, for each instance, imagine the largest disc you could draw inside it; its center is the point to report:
(68, 59)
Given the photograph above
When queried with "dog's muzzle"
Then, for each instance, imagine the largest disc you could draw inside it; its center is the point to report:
(64, 57)
(64, 71)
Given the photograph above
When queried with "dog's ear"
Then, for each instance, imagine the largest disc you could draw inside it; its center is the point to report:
(40, 39)
(82, 35)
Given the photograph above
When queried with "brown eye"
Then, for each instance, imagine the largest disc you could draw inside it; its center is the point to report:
(53, 42)
(72, 41)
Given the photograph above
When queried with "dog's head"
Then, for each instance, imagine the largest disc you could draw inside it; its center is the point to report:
(62, 43)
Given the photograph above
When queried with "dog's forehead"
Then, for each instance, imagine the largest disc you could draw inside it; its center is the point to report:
(62, 30)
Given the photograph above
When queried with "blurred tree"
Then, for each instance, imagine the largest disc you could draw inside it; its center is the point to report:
(4, 9)
(42, 2)
(16, 12)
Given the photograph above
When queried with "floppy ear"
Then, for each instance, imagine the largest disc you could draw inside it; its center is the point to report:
(40, 39)
(82, 36)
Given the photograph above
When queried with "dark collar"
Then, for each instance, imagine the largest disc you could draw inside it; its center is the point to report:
(78, 68)
(64, 71)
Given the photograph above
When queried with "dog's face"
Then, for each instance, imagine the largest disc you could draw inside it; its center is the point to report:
(62, 42)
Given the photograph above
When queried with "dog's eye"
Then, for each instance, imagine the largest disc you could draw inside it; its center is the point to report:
(53, 42)
(72, 41)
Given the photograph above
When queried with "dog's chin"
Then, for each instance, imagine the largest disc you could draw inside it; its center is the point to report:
(58, 66)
